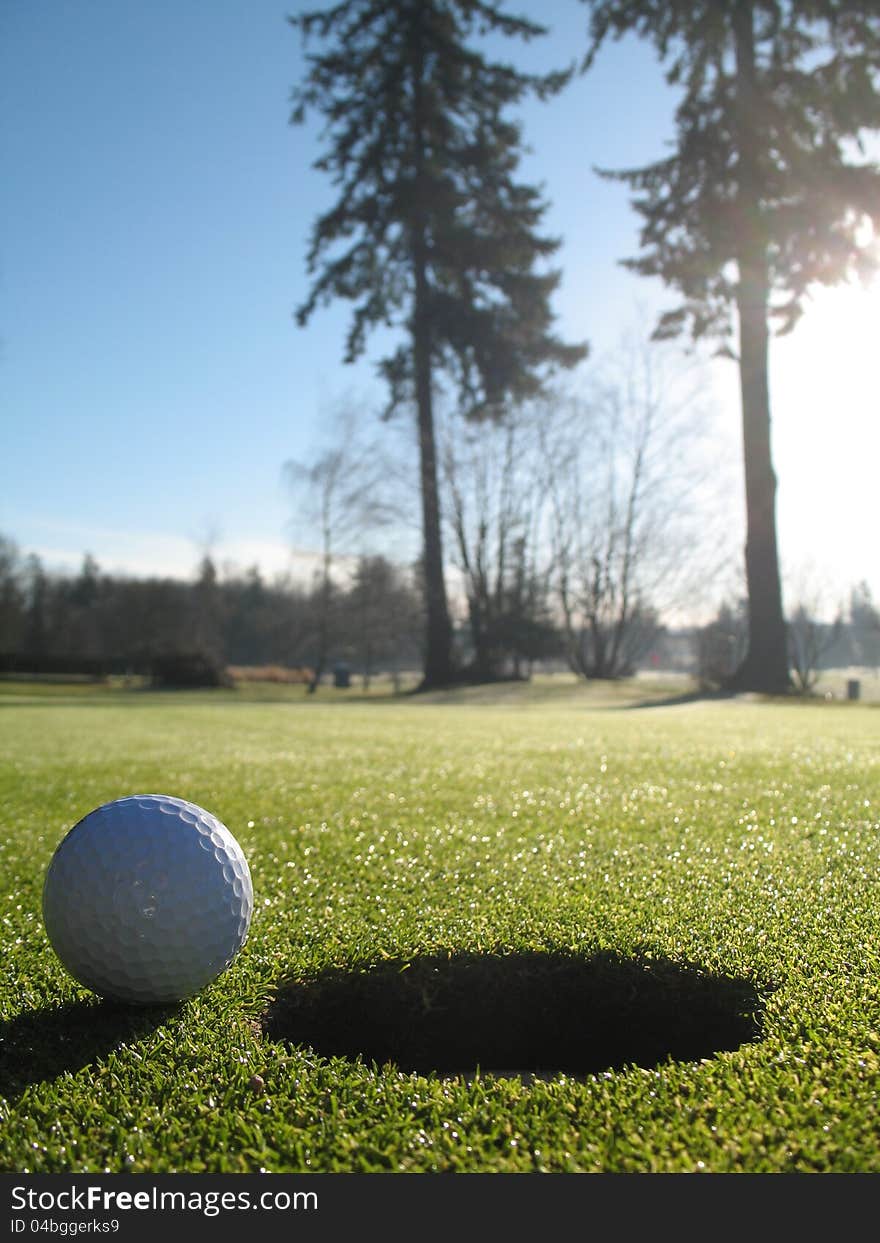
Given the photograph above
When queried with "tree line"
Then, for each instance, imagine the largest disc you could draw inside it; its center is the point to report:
(571, 541)
(179, 632)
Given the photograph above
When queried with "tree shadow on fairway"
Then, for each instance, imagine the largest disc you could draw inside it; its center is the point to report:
(678, 700)
(532, 1015)
(42, 1044)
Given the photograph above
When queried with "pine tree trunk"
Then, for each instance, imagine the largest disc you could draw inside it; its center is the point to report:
(438, 669)
(765, 667)
(438, 630)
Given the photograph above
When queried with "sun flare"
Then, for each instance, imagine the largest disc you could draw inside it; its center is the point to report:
(825, 395)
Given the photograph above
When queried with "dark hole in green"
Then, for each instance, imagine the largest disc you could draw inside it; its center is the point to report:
(538, 1013)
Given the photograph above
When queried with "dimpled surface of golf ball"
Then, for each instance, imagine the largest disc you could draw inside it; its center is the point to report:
(147, 899)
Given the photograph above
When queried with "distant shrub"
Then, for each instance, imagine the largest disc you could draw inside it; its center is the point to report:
(188, 669)
(271, 673)
(722, 645)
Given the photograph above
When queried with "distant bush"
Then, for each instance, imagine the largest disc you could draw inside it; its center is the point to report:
(188, 669)
(271, 673)
(722, 645)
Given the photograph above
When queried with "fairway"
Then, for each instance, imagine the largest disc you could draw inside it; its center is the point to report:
(542, 928)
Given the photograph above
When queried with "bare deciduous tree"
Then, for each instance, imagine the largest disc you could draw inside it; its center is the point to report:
(809, 639)
(495, 509)
(340, 496)
(626, 483)
(813, 627)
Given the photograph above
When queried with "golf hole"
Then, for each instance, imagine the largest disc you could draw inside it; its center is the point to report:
(527, 1015)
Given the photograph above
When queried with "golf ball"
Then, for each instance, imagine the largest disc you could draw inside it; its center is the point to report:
(147, 899)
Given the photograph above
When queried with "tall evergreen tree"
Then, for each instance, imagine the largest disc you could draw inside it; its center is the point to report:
(431, 232)
(761, 200)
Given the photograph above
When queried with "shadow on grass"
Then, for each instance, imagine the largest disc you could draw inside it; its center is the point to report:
(531, 1015)
(673, 701)
(42, 1044)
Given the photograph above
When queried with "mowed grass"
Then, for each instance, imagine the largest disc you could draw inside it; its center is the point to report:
(537, 930)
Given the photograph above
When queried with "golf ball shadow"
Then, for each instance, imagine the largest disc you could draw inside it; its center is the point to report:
(39, 1045)
(531, 1015)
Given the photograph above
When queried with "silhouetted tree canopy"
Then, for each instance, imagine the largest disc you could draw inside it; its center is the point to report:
(431, 232)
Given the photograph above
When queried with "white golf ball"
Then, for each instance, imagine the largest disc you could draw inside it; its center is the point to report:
(147, 899)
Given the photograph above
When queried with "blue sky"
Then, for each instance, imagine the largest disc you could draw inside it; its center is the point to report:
(153, 223)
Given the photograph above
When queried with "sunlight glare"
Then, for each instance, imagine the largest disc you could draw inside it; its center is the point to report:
(825, 397)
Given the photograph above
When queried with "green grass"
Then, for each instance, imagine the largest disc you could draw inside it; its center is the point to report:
(516, 929)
